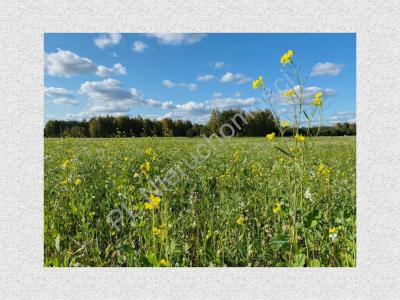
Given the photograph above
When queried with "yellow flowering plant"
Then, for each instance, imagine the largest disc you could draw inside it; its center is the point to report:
(297, 149)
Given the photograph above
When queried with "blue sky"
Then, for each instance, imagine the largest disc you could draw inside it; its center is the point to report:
(186, 75)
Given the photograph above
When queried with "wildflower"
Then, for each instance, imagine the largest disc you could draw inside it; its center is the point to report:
(289, 93)
(324, 170)
(317, 99)
(285, 124)
(277, 208)
(333, 233)
(153, 203)
(156, 231)
(287, 57)
(281, 160)
(65, 181)
(77, 181)
(135, 175)
(299, 137)
(149, 151)
(145, 167)
(126, 158)
(258, 83)
(65, 164)
(307, 194)
(164, 262)
(239, 221)
(163, 226)
(270, 136)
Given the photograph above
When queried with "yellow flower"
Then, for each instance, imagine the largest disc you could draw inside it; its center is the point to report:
(65, 164)
(289, 93)
(285, 124)
(164, 262)
(277, 208)
(77, 181)
(281, 160)
(65, 181)
(153, 203)
(126, 158)
(270, 136)
(333, 230)
(149, 151)
(145, 167)
(333, 233)
(239, 221)
(258, 83)
(299, 137)
(287, 57)
(317, 99)
(324, 170)
(156, 231)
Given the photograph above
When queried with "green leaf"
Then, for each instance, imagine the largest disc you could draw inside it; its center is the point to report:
(284, 151)
(308, 118)
(279, 240)
(314, 223)
(314, 263)
(299, 260)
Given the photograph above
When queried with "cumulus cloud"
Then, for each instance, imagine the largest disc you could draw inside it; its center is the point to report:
(65, 63)
(169, 84)
(218, 64)
(139, 46)
(108, 96)
(106, 40)
(326, 68)
(217, 94)
(238, 78)
(117, 69)
(57, 92)
(207, 77)
(177, 38)
(65, 101)
(341, 117)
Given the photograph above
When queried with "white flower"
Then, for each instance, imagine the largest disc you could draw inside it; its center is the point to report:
(307, 194)
(333, 236)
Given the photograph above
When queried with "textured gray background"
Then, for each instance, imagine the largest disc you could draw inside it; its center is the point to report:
(21, 147)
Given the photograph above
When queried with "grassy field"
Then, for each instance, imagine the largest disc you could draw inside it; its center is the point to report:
(232, 209)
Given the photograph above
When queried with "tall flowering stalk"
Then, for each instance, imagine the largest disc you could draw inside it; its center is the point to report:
(297, 148)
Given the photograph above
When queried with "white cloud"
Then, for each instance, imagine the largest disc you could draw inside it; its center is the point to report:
(65, 101)
(218, 64)
(217, 95)
(228, 103)
(57, 92)
(177, 38)
(66, 63)
(327, 68)
(139, 46)
(207, 77)
(341, 117)
(108, 97)
(168, 83)
(163, 105)
(117, 69)
(237, 94)
(106, 40)
(189, 86)
(237, 78)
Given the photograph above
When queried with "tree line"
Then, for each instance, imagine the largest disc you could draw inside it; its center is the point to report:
(232, 122)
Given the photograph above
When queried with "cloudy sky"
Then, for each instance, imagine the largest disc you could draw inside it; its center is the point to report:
(186, 75)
